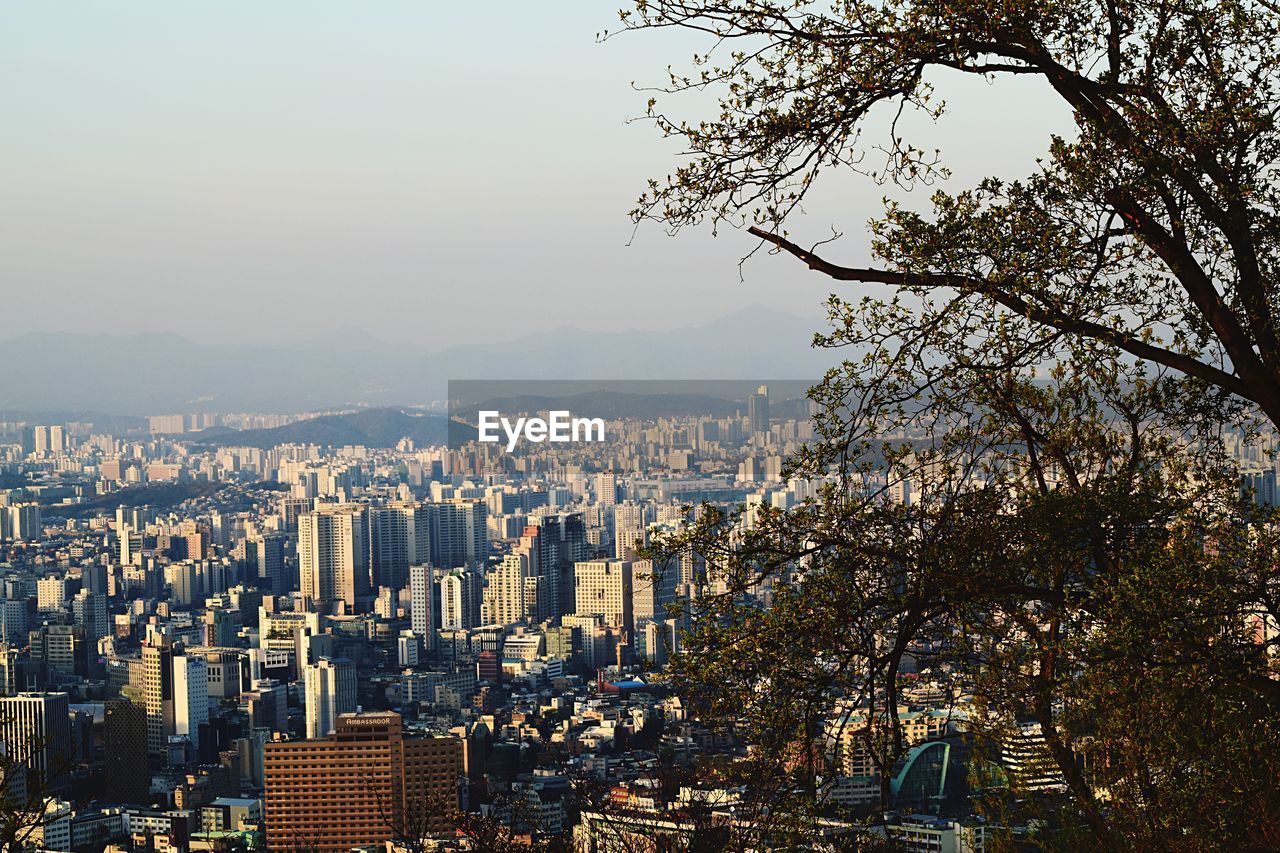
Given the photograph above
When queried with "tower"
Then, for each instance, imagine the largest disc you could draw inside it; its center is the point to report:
(758, 410)
(332, 555)
(330, 686)
(422, 604)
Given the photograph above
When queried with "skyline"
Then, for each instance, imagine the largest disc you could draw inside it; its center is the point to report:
(290, 174)
(710, 425)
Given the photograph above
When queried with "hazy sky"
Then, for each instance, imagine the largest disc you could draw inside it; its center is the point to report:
(425, 171)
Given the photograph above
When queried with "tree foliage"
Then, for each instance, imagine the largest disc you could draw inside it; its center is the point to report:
(1058, 367)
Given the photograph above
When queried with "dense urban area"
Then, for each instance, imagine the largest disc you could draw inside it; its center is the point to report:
(210, 646)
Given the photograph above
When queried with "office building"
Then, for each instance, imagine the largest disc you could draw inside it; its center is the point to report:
(124, 730)
(758, 411)
(24, 521)
(338, 792)
(35, 729)
(264, 556)
(561, 542)
(190, 698)
(604, 588)
(90, 611)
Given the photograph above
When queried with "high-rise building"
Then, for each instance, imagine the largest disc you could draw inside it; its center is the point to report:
(758, 410)
(13, 620)
(51, 593)
(265, 555)
(190, 697)
(398, 538)
(606, 489)
(561, 542)
(330, 686)
(512, 593)
(422, 604)
(24, 521)
(631, 528)
(268, 704)
(340, 792)
(35, 729)
(27, 440)
(157, 693)
(90, 610)
(62, 649)
(49, 440)
(457, 533)
(460, 599)
(604, 588)
(291, 509)
(93, 577)
(333, 556)
(127, 777)
(408, 649)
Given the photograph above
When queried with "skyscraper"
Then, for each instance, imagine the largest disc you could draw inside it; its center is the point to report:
(511, 594)
(127, 777)
(631, 528)
(457, 533)
(758, 410)
(422, 604)
(604, 588)
(190, 697)
(460, 600)
(561, 542)
(606, 489)
(330, 686)
(265, 554)
(398, 538)
(332, 555)
(49, 440)
(157, 693)
(35, 729)
(90, 610)
(24, 521)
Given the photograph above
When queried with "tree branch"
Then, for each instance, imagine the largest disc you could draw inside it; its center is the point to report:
(1038, 313)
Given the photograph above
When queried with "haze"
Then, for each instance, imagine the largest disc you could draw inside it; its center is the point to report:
(426, 172)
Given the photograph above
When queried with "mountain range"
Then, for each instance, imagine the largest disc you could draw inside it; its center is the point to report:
(153, 373)
(370, 427)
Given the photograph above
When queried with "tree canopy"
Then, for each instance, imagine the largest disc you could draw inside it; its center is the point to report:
(1060, 370)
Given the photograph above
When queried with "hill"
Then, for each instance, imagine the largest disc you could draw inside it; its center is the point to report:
(370, 427)
(152, 374)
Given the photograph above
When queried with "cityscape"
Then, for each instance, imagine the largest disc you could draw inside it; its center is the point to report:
(704, 426)
(378, 627)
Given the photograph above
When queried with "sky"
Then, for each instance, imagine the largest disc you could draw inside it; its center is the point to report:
(426, 172)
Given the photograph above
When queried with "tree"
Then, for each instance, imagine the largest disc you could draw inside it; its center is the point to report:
(32, 773)
(1053, 368)
(1152, 232)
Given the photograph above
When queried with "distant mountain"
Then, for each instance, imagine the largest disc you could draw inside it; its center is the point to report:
(748, 344)
(100, 421)
(165, 373)
(371, 428)
(162, 374)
